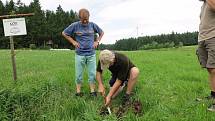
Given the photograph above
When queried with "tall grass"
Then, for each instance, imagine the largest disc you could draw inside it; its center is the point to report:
(169, 83)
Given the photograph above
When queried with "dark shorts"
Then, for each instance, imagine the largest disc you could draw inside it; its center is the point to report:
(113, 80)
(206, 53)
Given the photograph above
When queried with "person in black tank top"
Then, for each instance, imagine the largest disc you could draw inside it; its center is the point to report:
(123, 71)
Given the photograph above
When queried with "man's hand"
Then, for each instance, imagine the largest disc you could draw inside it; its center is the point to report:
(71, 40)
(107, 101)
(101, 90)
(76, 44)
(96, 43)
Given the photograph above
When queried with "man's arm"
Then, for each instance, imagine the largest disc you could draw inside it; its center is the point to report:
(71, 40)
(100, 83)
(113, 91)
(211, 3)
(98, 39)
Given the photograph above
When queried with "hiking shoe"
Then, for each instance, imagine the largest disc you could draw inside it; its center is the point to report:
(206, 98)
(210, 97)
(79, 94)
(212, 108)
(93, 94)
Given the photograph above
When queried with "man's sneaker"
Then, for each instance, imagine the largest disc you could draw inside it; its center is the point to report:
(210, 97)
(79, 94)
(93, 94)
(212, 108)
(206, 98)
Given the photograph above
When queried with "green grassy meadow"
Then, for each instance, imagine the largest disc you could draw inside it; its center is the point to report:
(170, 80)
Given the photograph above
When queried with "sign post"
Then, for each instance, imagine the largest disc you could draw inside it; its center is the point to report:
(14, 27)
(13, 58)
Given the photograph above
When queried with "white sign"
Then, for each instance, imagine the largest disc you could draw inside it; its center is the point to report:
(13, 27)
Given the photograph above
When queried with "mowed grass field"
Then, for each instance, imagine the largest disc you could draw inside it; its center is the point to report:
(170, 80)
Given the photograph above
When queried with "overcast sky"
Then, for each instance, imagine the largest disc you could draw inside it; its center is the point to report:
(131, 18)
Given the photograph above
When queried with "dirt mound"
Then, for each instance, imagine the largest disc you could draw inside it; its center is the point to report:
(135, 106)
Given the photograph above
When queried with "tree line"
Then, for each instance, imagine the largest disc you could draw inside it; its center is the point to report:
(45, 27)
(154, 42)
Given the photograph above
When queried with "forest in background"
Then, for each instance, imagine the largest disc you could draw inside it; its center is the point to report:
(45, 27)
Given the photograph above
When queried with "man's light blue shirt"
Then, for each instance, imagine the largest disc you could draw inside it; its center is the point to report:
(84, 35)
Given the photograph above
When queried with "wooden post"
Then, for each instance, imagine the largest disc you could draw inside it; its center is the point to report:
(13, 58)
(16, 15)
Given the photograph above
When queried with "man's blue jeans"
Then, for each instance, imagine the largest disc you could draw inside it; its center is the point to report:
(85, 61)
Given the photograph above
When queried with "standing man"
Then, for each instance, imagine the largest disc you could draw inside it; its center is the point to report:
(206, 44)
(124, 73)
(84, 36)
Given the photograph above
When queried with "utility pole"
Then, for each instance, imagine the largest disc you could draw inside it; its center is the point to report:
(137, 31)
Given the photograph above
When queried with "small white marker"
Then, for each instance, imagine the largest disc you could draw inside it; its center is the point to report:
(108, 108)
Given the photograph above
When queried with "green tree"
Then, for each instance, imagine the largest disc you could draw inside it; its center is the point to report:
(9, 7)
(36, 23)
